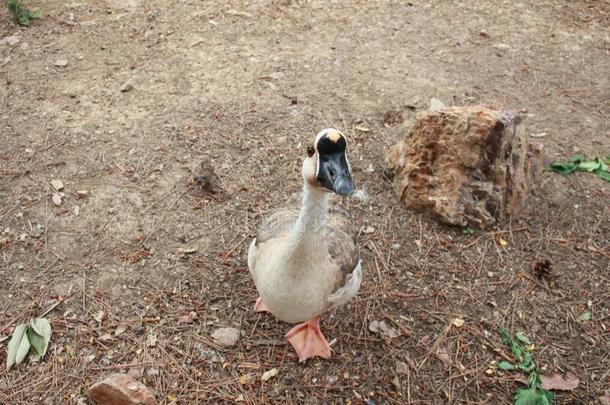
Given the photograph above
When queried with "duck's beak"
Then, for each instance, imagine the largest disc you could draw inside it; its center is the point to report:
(334, 173)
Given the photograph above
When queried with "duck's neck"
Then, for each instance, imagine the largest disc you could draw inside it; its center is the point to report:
(312, 217)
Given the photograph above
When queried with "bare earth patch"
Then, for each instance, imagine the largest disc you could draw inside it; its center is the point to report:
(122, 101)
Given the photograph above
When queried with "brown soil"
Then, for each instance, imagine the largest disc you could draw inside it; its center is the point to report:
(245, 87)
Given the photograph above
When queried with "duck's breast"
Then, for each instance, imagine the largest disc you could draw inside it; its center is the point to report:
(295, 287)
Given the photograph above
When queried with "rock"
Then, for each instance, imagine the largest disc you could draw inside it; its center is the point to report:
(267, 375)
(226, 336)
(57, 184)
(436, 104)
(56, 198)
(384, 329)
(11, 40)
(401, 367)
(120, 389)
(126, 87)
(458, 322)
(467, 166)
(61, 63)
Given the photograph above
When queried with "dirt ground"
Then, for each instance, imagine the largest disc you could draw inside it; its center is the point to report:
(122, 101)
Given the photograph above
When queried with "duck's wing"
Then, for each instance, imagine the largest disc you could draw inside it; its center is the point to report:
(277, 224)
(273, 226)
(341, 236)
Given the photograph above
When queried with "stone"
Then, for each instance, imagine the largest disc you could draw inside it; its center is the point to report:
(402, 367)
(58, 185)
(120, 389)
(436, 104)
(11, 40)
(466, 166)
(126, 87)
(267, 375)
(226, 336)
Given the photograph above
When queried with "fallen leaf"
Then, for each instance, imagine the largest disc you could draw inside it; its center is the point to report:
(243, 380)
(396, 383)
(586, 316)
(120, 329)
(374, 326)
(58, 185)
(388, 331)
(99, 316)
(368, 230)
(226, 336)
(560, 382)
(107, 337)
(443, 356)
(56, 198)
(458, 322)
(267, 375)
(185, 319)
(503, 242)
(151, 340)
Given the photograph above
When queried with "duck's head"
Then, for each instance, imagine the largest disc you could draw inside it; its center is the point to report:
(326, 166)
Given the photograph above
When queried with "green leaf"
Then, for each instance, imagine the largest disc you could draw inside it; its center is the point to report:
(602, 165)
(14, 345)
(533, 380)
(505, 335)
(577, 158)
(550, 396)
(604, 175)
(517, 351)
(586, 316)
(529, 396)
(468, 231)
(36, 341)
(588, 166)
(24, 20)
(562, 168)
(506, 365)
(22, 351)
(522, 338)
(42, 326)
(39, 333)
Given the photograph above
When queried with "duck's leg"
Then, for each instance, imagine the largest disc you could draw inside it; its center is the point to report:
(308, 340)
(260, 306)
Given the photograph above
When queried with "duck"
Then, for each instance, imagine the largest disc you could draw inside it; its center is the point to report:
(305, 261)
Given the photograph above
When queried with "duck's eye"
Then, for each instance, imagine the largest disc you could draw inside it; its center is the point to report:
(310, 151)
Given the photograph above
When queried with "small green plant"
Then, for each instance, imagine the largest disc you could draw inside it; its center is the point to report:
(33, 335)
(534, 394)
(468, 231)
(580, 163)
(20, 14)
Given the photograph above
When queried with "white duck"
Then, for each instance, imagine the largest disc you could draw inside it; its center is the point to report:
(305, 262)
